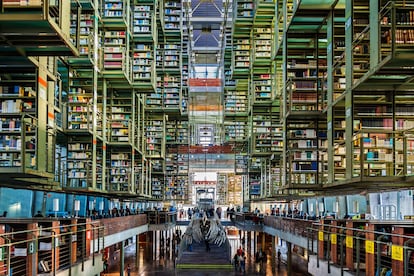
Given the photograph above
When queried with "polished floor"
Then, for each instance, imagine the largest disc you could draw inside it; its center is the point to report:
(161, 263)
(163, 266)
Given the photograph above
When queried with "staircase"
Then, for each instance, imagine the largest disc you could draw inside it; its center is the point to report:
(217, 258)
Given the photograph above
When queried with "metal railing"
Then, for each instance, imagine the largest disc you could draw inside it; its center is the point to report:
(362, 250)
(47, 246)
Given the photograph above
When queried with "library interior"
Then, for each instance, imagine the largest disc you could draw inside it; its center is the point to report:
(206, 137)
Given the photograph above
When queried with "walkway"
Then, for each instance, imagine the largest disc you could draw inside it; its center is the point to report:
(200, 258)
(165, 267)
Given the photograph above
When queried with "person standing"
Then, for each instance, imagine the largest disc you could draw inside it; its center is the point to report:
(207, 245)
(279, 258)
(128, 270)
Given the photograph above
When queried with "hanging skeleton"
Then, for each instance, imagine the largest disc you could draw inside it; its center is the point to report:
(205, 229)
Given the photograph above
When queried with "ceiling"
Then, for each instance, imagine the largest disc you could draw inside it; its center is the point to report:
(207, 22)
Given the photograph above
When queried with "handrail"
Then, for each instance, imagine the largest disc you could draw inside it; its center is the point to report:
(53, 245)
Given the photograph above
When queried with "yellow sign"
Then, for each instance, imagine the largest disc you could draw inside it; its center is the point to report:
(333, 238)
(369, 247)
(397, 253)
(349, 241)
(320, 235)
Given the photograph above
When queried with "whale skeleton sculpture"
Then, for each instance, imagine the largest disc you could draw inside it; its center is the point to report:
(205, 229)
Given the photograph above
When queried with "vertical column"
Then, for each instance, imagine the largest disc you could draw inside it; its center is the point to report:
(148, 244)
(349, 246)
(32, 259)
(249, 240)
(263, 240)
(369, 250)
(349, 119)
(334, 239)
(273, 252)
(42, 107)
(74, 243)
(289, 258)
(88, 237)
(155, 246)
(397, 251)
(255, 242)
(321, 241)
(137, 253)
(3, 250)
(330, 86)
(122, 258)
(55, 249)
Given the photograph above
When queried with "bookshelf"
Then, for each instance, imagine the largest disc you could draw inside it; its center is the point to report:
(158, 182)
(177, 132)
(172, 56)
(143, 68)
(143, 45)
(115, 51)
(120, 116)
(172, 88)
(377, 154)
(79, 162)
(305, 84)
(18, 129)
(154, 100)
(177, 169)
(241, 163)
(120, 175)
(306, 154)
(172, 17)
(241, 57)
(336, 48)
(236, 100)
(254, 185)
(403, 115)
(396, 30)
(222, 189)
(80, 104)
(374, 110)
(236, 130)
(82, 29)
(263, 88)
(155, 135)
(262, 44)
(361, 39)
(116, 38)
(276, 177)
(234, 189)
(267, 134)
(115, 10)
(254, 177)
(245, 10)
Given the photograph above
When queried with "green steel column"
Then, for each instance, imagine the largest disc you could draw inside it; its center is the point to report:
(284, 92)
(348, 89)
(374, 34)
(95, 97)
(132, 135)
(42, 150)
(104, 132)
(330, 113)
